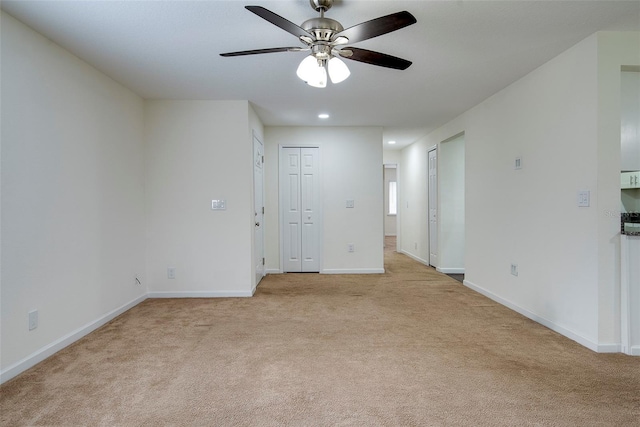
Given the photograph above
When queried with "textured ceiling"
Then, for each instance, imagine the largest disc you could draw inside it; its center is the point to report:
(462, 53)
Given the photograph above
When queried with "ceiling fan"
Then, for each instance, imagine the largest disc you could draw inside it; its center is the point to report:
(327, 41)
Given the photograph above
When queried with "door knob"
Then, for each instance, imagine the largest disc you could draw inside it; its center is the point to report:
(257, 224)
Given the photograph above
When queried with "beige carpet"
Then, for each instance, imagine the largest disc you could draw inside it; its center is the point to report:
(410, 347)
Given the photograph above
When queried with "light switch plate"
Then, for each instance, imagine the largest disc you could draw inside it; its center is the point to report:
(350, 203)
(584, 198)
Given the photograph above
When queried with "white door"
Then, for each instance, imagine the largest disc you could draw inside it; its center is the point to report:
(433, 208)
(258, 206)
(300, 206)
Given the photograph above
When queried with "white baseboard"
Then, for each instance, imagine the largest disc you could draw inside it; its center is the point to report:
(634, 350)
(604, 348)
(450, 270)
(341, 271)
(50, 349)
(608, 348)
(353, 271)
(273, 271)
(412, 256)
(200, 294)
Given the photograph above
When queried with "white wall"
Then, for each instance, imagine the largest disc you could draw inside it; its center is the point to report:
(391, 156)
(198, 151)
(530, 217)
(561, 120)
(72, 197)
(413, 227)
(451, 215)
(351, 167)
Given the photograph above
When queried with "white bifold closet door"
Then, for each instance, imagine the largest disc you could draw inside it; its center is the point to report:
(299, 205)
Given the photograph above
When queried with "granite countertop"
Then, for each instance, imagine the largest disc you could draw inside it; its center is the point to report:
(630, 223)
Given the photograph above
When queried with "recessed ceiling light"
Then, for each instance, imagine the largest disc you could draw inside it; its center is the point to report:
(391, 142)
(323, 116)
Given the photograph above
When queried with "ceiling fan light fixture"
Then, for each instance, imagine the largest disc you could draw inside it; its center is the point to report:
(338, 70)
(312, 72)
(326, 39)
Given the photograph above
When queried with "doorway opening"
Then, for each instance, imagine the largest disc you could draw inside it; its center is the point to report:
(390, 205)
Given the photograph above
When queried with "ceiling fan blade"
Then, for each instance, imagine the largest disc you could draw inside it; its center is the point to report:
(377, 27)
(259, 51)
(375, 58)
(278, 20)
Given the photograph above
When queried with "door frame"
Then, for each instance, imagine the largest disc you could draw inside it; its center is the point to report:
(444, 187)
(256, 140)
(320, 221)
(429, 207)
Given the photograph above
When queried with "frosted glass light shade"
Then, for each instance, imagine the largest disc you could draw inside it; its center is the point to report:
(338, 70)
(312, 72)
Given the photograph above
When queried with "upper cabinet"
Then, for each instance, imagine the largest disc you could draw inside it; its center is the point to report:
(630, 180)
(630, 115)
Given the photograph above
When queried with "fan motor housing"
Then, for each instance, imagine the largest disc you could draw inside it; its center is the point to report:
(322, 28)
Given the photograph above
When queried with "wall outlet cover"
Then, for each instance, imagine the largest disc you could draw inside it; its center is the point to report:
(514, 269)
(33, 319)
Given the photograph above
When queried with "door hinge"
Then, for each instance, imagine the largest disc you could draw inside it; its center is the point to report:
(262, 261)
(263, 210)
(262, 159)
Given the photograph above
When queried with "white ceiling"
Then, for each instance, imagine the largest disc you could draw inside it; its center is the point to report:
(462, 52)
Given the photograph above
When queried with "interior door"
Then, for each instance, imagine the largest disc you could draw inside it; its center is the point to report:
(300, 206)
(433, 208)
(310, 209)
(258, 206)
